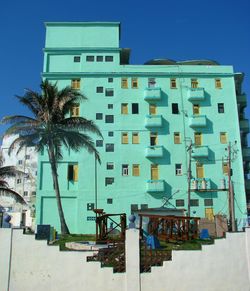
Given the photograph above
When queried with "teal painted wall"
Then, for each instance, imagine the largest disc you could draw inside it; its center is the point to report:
(126, 190)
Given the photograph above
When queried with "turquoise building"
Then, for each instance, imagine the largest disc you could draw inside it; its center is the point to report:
(156, 120)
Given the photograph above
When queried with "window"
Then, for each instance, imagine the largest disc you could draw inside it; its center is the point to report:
(109, 180)
(20, 162)
(108, 58)
(218, 84)
(136, 170)
(198, 138)
(179, 203)
(124, 170)
(135, 138)
(19, 181)
(208, 202)
(110, 147)
(144, 206)
(173, 84)
(99, 143)
(175, 109)
(109, 201)
(154, 172)
(110, 80)
(73, 173)
(152, 109)
(27, 157)
(90, 206)
(109, 118)
(99, 89)
(98, 116)
(196, 109)
(194, 83)
(124, 108)
(77, 59)
(194, 202)
(110, 133)
(90, 58)
(153, 138)
(75, 83)
(133, 207)
(177, 138)
(135, 108)
(178, 169)
(109, 92)
(199, 170)
(134, 83)
(151, 82)
(110, 166)
(110, 106)
(124, 138)
(124, 83)
(223, 137)
(225, 168)
(99, 58)
(220, 107)
(75, 110)
(25, 193)
(33, 193)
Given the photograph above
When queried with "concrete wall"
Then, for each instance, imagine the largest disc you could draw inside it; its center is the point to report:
(224, 266)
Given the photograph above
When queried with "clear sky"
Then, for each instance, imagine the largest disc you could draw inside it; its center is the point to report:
(179, 30)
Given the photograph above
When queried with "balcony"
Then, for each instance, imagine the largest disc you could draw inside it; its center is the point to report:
(200, 152)
(152, 94)
(198, 121)
(200, 184)
(247, 184)
(244, 125)
(154, 152)
(246, 154)
(242, 100)
(196, 94)
(153, 121)
(155, 186)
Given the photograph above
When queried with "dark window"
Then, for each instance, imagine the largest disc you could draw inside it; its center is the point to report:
(99, 143)
(110, 133)
(99, 58)
(110, 106)
(90, 58)
(175, 109)
(208, 202)
(179, 202)
(110, 166)
(109, 118)
(194, 202)
(110, 80)
(221, 107)
(124, 170)
(70, 172)
(99, 89)
(77, 59)
(109, 181)
(91, 218)
(144, 206)
(135, 108)
(109, 92)
(98, 116)
(109, 147)
(20, 162)
(109, 201)
(27, 157)
(109, 59)
(33, 193)
(90, 206)
(133, 207)
(25, 193)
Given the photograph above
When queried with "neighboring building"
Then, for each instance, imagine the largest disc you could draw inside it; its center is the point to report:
(148, 115)
(25, 185)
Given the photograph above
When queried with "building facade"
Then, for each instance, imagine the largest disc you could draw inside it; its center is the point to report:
(160, 121)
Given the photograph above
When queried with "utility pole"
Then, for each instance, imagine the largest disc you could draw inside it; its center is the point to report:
(189, 173)
(230, 192)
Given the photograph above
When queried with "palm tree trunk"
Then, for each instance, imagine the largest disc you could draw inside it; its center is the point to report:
(52, 159)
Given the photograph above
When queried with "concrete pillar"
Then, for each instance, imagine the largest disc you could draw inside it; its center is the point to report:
(132, 260)
(5, 249)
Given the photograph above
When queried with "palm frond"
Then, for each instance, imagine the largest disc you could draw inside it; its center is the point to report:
(4, 191)
(19, 119)
(9, 171)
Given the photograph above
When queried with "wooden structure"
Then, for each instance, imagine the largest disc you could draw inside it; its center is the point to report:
(171, 227)
(109, 225)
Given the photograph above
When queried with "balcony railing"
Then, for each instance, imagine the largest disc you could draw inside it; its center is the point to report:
(200, 184)
(198, 121)
(152, 94)
(242, 100)
(153, 121)
(244, 125)
(155, 186)
(196, 94)
(200, 152)
(154, 152)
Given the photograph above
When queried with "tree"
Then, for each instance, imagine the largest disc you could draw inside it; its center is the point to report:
(52, 127)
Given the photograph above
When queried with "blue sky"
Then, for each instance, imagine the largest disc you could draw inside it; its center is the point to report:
(179, 30)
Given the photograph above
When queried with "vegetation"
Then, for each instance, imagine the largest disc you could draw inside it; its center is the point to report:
(52, 127)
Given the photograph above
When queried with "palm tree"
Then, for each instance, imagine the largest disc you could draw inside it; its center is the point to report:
(52, 127)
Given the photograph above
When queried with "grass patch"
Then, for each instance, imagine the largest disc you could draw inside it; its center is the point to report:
(185, 245)
(63, 239)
